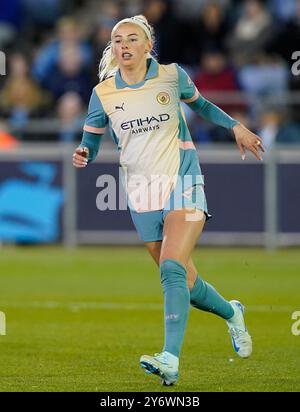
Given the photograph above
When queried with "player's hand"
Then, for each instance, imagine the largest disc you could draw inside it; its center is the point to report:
(247, 140)
(80, 157)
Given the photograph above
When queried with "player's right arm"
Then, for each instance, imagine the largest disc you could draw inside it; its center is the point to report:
(93, 131)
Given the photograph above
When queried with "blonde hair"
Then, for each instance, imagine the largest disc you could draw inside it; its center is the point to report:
(108, 65)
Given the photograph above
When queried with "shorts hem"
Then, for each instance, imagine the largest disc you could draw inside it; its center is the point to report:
(152, 240)
(207, 215)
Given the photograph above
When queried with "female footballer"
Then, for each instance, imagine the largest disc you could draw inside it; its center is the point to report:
(139, 99)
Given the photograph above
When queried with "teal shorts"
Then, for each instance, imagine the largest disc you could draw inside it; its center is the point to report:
(149, 225)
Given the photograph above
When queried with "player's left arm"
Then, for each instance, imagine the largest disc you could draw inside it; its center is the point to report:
(189, 94)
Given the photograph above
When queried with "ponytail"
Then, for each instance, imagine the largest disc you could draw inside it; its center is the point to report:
(108, 65)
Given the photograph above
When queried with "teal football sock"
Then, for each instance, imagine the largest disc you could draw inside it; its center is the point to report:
(176, 304)
(205, 297)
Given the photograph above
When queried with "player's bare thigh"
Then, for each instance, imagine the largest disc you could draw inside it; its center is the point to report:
(155, 248)
(182, 229)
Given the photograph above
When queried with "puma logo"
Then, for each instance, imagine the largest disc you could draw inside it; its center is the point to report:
(120, 107)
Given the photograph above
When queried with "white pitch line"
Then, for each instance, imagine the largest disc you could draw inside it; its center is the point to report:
(77, 306)
(73, 306)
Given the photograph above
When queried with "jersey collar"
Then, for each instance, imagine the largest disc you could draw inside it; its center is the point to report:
(151, 72)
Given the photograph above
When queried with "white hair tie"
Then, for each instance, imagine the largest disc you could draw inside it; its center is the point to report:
(137, 21)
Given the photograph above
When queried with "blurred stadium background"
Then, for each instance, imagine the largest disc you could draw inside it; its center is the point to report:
(239, 53)
(67, 307)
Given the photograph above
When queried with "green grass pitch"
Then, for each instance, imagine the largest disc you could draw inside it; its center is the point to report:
(79, 321)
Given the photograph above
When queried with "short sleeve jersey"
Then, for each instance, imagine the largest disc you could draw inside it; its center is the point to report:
(147, 121)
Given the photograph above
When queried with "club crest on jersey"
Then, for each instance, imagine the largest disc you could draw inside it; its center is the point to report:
(163, 98)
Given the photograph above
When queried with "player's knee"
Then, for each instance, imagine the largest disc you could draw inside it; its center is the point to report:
(172, 269)
(175, 255)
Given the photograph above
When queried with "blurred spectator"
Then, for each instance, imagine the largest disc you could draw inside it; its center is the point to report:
(10, 21)
(70, 74)
(188, 9)
(211, 30)
(133, 7)
(100, 12)
(217, 77)
(160, 16)
(207, 30)
(252, 32)
(283, 10)
(64, 125)
(20, 96)
(100, 18)
(68, 32)
(95, 15)
(71, 117)
(264, 76)
(7, 140)
(275, 127)
(40, 17)
(42, 13)
(287, 39)
(101, 37)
